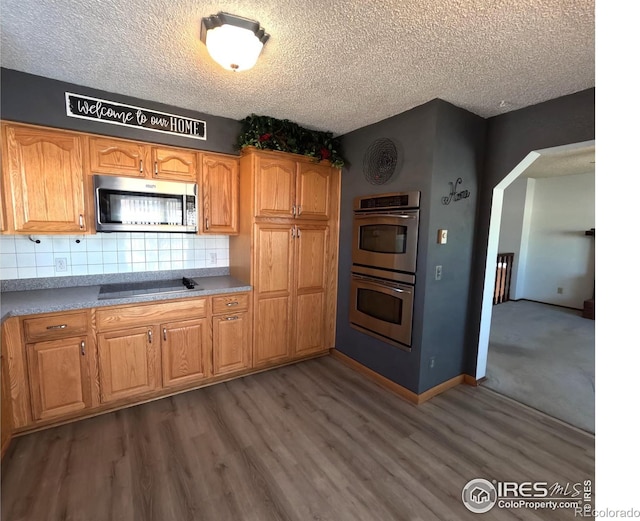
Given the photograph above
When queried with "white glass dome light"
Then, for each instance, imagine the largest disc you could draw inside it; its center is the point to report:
(232, 41)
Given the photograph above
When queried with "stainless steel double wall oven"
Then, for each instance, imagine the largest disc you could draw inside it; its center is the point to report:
(384, 257)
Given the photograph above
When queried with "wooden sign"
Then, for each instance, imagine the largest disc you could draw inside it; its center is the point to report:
(94, 109)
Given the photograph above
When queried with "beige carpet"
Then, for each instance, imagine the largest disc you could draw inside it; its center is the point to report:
(544, 356)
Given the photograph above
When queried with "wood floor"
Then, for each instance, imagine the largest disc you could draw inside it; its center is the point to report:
(311, 441)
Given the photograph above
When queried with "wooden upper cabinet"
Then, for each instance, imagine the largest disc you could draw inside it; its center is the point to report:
(117, 157)
(58, 377)
(43, 180)
(176, 164)
(312, 191)
(219, 183)
(110, 156)
(274, 187)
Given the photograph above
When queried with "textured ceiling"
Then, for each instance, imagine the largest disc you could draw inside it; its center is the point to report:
(565, 160)
(329, 65)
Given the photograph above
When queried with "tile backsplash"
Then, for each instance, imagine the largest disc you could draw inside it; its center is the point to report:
(120, 252)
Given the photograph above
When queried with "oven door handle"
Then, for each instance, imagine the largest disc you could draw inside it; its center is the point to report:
(388, 215)
(374, 284)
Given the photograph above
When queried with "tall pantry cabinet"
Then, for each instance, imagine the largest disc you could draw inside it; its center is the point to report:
(287, 249)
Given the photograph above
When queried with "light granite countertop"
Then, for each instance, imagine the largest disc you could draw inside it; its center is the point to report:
(48, 300)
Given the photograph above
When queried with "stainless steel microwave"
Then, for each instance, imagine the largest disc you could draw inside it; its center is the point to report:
(145, 205)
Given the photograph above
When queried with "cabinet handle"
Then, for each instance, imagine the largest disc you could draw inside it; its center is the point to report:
(141, 166)
(297, 232)
(59, 326)
(206, 223)
(155, 167)
(164, 333)
(293, 210)
(293, 232)
(149, 335)
(81, 222)
(234, 303)
(298, 212)
(231, 318)
(82, 346)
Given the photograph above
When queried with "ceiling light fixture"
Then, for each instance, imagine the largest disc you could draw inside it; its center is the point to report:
(234, 42)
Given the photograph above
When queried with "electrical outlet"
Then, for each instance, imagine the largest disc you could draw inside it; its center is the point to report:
(213, 258)
(438, 272)
(61, 264)
(432, 362)
(560, 291)
(442, 236)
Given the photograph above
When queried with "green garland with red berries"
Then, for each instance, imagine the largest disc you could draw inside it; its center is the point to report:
(281, 134)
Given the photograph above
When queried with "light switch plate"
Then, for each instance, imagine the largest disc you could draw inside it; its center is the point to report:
(442, 236)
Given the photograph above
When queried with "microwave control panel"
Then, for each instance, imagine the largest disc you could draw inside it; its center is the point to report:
(191, 212)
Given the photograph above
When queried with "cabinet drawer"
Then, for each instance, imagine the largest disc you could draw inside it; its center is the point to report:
(131, 316)
(55, 326)
(230, 303)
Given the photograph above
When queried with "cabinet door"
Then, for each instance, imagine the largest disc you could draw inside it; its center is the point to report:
(5, 401)
(184, 352)
(128, 362)
(219, 182)
(171, 163)
(231, 343)
(312, 191)
(275, 187)
(273, 259)
(115, 157)
(43, 180)
(311, 262)
(58, 377)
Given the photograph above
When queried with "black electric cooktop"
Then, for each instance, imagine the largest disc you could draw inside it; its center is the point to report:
(151, 287)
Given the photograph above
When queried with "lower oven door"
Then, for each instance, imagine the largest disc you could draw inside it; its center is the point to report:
(382, 308)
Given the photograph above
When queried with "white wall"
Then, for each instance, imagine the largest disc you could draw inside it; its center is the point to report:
(514, 228)
(559, 254)
(102, 253)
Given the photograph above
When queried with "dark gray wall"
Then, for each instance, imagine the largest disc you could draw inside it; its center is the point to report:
(459, 153)
(510, 137)
(437, 143)
(27, 98)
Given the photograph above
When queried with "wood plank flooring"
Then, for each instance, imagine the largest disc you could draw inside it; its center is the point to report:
(311, 441)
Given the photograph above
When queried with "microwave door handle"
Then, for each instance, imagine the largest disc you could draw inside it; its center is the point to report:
(387, 215)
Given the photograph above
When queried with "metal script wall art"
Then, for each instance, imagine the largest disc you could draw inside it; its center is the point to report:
(454, 195)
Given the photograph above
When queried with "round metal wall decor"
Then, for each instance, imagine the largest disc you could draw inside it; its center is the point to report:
(380, 161)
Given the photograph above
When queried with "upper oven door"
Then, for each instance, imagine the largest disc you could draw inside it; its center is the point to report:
(386, 240)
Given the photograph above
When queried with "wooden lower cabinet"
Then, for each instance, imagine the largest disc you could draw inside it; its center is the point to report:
(6, 420)
(58, 377)
(231, 343)
(128, 362)
(272, 330)
(184, 352)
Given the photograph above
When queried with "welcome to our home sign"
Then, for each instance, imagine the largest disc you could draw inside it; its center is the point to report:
(85, 107)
